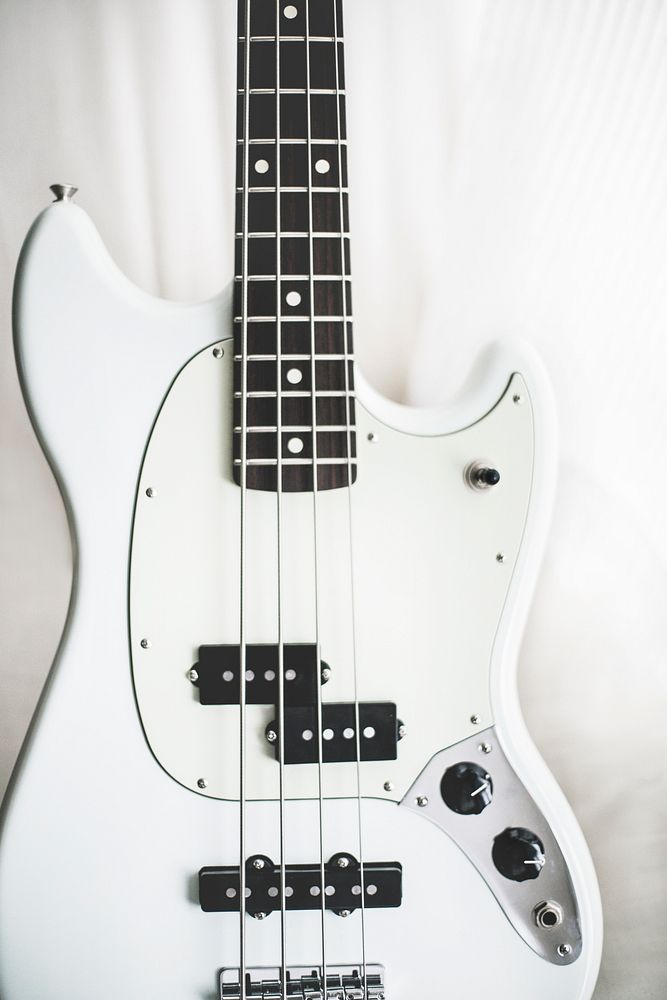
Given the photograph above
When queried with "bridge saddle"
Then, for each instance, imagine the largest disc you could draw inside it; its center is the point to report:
(343, 982)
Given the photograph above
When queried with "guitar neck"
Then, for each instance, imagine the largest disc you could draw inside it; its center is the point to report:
(293, 373)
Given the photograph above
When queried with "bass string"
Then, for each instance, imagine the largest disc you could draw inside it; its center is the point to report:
(348, 357)
(313, 395)
(243, 524)
(279, 518)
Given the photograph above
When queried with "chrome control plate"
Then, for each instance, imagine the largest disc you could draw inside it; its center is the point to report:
(511, 806)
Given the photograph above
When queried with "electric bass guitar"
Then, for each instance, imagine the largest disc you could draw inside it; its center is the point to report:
(280, 754)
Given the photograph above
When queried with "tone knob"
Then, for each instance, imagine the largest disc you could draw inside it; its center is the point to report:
(518, 854)
(466, 788)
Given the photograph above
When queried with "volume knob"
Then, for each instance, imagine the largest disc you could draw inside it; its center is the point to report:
(518, 854)
(466, 788)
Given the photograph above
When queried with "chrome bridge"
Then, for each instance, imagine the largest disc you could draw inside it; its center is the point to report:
(344, 982)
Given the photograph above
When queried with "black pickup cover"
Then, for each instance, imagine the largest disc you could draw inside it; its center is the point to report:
(378, 736)
(219, 666)
(219, 887)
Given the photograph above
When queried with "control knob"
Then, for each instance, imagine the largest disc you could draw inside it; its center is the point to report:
(518, 854)
(466, 788)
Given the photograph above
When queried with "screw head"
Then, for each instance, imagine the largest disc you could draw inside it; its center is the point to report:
(218, 352)
(401, 731)
(193, 675)
(500, 558)
(474, 719)
(202, 783)
(343, 862)
(150, 492)
(145, 644)
(485, 748)
(326, 674)
(517, 399)
(258, 864)
(271, 735)
(389, 786)
(259, 916)
(344, 913)
(422, 800)
(373, 438)
(564, 950)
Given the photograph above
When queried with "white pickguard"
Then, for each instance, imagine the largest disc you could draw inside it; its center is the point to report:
(99, 847)
(421, 546)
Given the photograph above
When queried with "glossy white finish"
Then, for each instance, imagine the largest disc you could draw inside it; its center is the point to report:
(99, 847)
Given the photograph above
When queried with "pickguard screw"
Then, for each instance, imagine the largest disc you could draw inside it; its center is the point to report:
(401, 731)
(259, 916)
(218, 352)
(500, 557)
(326, 674)
(517, 399)
(474, 719)
(422, 800)
(343, 863)
(272, 736)
(343, 913)
(193, 675)
(258, 864)
(564, 950)
(150, 492)
(485, 748)
(145, 644)
(389, 786)
(202, 783)
(373, 438)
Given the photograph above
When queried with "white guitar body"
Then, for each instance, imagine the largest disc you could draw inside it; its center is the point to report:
(105, 827)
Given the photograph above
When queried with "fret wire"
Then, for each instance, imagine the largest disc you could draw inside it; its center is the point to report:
(296, 461)
(293, 277)
(295, 142)
(292, 428)
(295, 393)
(293, 319)
(292, 90)
(294, 189)
(289, 38)
(294, 357)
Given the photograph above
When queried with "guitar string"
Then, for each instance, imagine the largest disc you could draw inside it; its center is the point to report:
(242, 619)
(338, 37)
(313, 396)
(279, 514)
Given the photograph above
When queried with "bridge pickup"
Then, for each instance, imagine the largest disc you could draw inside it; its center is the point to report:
(219, 667)
(219, 888)
(378, 737)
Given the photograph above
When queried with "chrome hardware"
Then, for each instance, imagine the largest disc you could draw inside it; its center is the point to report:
(485, 748)
(481, 476)
(474, 719)
(193, 675)
(150, 492)
(500, 557)
(63, 192)
(218, 352)
(548, 914)
(422, 801)
(145, 644)
(202, 783)
(388, 786)
(564, 950)
(344, 982)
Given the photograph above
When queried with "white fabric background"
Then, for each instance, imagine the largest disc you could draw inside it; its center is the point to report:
(508, 164)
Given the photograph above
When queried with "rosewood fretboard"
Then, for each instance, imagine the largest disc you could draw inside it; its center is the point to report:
(292, 303)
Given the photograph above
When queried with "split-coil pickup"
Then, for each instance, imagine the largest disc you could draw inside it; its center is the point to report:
(217, 673)
(350, 732)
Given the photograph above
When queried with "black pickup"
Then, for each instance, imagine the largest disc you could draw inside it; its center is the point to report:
(219, 667)
(219, 888)
(379, 732)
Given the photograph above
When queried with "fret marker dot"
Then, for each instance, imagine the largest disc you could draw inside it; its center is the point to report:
(262, 166)
(295, 446)
(323, 166)
(293, 299)
(294, 376)
(290, 12)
